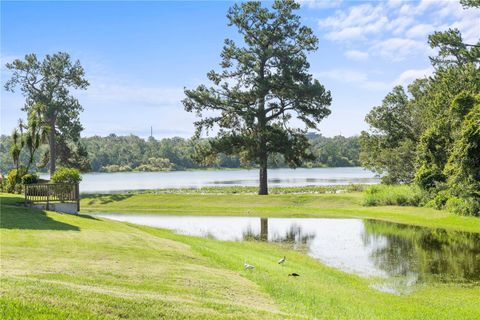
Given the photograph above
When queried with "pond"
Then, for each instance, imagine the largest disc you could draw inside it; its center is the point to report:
(400, 255)
(121, 181)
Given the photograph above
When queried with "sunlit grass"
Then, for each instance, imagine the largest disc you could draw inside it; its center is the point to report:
(276, 205)
(254, 190)
(78, 267)
(391, 195)
(57, 266)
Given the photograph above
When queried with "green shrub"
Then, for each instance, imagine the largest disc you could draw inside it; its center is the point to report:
(453, 204)
(391, 195)
(66, 175)
(355, 187)
(3, 183)
(440, 200)
(149, 168)
(463, 206)
(30, 178)
(116, 168)
(14, 180)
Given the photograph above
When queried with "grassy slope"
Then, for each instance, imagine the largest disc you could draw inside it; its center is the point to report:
(55, 265)
(285, 205)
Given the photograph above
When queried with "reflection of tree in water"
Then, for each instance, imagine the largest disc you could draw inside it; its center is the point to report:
(294, 234)
(249, 234)
(433, 254)
(392, 254)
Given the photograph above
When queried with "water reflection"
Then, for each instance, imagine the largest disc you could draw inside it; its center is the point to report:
(429, 254)
(294, 235)
(404, 255)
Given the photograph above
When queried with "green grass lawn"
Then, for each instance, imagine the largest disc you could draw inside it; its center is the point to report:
(276, 205)
(79, 267)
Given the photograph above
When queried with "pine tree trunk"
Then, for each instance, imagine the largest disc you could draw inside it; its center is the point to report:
(53, 151)
(263, 189)
(262, 123)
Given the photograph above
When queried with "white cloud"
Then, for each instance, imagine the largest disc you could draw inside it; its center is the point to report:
(410, 75)
(320, 4)
(394, 3)
(398, 49)
(356, 23)
(417, 9)
(406, 10)
(468, 22)
(346, 34)
(400, 24)
(363, 80)
(426, 5)
(356, 55)
(356, 77)
(420, 31)
(397, 29)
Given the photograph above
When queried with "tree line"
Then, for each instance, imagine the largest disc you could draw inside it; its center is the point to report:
(115, 153)
(429, 133)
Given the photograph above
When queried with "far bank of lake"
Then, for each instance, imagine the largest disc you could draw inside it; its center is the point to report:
(122, 181)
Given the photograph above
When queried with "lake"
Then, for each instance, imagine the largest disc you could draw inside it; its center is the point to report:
(121, 181)
(400, 255)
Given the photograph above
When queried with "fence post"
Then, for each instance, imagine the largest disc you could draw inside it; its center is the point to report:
(48, 198)
(77, 196)
(25, 193)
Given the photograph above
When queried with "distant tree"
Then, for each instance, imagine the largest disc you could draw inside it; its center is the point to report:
(389, 147)
(48, 82)
(337, 151)
(261, 87)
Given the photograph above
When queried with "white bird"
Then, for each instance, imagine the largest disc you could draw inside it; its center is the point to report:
(248, 266)
(282, 261)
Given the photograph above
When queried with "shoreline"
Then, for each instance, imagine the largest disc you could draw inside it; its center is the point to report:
(327, 205)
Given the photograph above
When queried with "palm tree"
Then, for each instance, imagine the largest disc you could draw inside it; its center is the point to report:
(16, 148)
(37, 131)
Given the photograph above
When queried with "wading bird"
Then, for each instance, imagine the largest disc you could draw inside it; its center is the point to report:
(282, 261)
(248, 266)
(293, 274)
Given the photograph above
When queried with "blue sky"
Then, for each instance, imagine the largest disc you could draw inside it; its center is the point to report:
(139, 56)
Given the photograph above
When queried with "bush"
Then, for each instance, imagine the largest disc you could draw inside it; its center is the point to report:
(14, 180)
(3, 183)
(453, 204)
(391, 195)
(66, 175)
(116, 168)
(440, 200)
(30, 178)
(464, 207)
